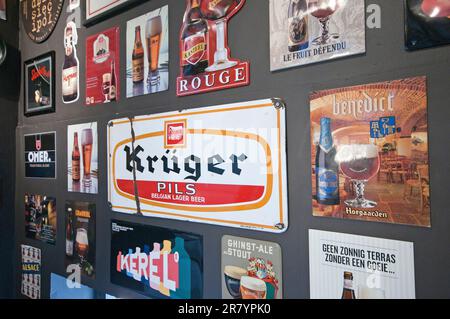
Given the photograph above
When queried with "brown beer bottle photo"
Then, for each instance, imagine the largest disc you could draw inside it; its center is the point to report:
(75, 159)
(113, 88)
(348, 292)
(138, 57)
(194, 41)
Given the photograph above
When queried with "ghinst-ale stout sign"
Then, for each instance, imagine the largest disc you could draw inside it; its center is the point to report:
(205, 60)
(223, 165)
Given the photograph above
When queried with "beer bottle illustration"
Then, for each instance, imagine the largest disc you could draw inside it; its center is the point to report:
(138, 57)
(327, 170)
(348, 292)
(167, 248)
(184, 270)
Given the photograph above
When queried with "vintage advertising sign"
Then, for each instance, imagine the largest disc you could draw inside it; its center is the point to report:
(223, 165)
(205, 60)
(31, 272)
(251, 269)
(40, 84)
(39, 18)
(343, 266)
(157, 262)
(97, 10)
(70, 74)
(309, 31)
(148, 53)
(103, 67)
(82, 159)
(40, 155)
(40, 218)
(80, 236)
(369, 152)
(427, 23)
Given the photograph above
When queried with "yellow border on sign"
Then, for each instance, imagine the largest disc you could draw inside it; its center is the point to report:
(254, 137)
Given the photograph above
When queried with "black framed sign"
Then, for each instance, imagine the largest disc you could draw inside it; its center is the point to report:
(39, 80)
(39, 17)
(40, 155)
(97, 10)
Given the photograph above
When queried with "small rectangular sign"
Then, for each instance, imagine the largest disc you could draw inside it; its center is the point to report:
(31, 272)
(251, 269)
(344, 266)
(40, 218)
(222, 165)
(40, 155)
(157, 262)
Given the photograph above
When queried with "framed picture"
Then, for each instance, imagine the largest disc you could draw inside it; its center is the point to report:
(98, 10)
(39, 85)
(2, 9)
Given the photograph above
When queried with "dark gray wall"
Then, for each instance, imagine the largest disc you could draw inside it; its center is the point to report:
(9, 96)
(249, 38)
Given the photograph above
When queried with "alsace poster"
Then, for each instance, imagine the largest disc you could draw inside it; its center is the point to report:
(251, 269)
(344, 266)
(369, 152)
(309, 31)
(103, 67)
(157, 262)
(148, 53)
(222, 165)
(427, 23)
(31, 272)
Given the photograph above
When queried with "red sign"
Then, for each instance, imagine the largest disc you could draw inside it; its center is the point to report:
(205, 60)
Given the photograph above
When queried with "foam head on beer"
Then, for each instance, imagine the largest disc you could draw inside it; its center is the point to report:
(253, 288)
(233, 277)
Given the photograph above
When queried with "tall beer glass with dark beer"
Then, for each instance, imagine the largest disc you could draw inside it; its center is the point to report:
(359, 162)
(87, 144)
(153, 33)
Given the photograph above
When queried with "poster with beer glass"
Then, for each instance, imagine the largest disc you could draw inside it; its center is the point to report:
(80, 236)
(344, 266)
(40, 84)
(148, 53)
(427, 23)
(2, 9)
(103, 67)
(31, 272)
(40, 218)
(82, 159)
(205, 58)
(369, 152)
(309, 31)
(157, 262)
(251, 269)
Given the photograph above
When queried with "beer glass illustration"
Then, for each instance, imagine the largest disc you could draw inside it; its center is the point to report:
(106, 86)
(365, 292)
(153, 34)
(220, 11)
(322, 10)
(232, 278)
(82, 244)
(360, 163)
(87, 144)
(253, 288)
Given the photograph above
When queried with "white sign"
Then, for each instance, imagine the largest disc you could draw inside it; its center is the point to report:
(94, 8)
(358, 267)
(223, 165)
(309, 31)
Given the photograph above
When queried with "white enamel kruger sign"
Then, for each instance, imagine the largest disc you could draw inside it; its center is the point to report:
(222, 165)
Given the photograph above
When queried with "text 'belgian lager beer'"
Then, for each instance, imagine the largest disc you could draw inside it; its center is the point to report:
(298, 25)
(327, 170)
(194, 41)
(76, 167)
(348, 292)
(138, 57)
(70, 70)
